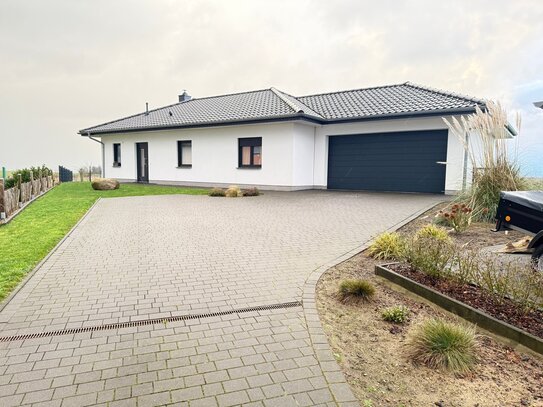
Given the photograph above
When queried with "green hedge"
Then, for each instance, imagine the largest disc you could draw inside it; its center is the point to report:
(25, 175)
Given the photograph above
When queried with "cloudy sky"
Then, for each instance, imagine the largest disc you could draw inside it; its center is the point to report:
(66, 65)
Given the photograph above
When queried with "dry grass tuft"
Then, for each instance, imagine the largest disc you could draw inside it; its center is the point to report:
(444, 345)
(355, 291)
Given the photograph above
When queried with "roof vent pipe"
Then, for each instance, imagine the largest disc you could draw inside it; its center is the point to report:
(184, 97)
(146, 108)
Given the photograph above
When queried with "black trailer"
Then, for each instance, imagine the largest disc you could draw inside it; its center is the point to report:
(523, 211)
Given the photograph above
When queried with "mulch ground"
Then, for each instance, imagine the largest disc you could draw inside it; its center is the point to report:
(505, 310)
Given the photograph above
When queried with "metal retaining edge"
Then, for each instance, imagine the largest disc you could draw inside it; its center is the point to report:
(465, 311)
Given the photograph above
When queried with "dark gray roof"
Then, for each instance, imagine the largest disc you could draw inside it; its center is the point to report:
(272, 104)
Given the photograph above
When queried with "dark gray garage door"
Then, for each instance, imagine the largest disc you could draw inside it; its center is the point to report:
(401, 161)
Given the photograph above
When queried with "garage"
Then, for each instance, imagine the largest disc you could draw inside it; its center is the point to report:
(409, 161)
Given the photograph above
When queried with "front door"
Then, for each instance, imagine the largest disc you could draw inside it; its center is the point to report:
(142, 158)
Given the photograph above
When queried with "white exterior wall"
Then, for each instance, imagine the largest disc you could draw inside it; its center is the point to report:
(294, 155)
(214, 156)
(455, 149)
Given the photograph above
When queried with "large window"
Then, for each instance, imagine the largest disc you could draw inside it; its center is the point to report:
(116, 154)
(184, 153)
(250, 152)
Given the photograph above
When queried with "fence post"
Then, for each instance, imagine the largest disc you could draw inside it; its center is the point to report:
(2, 208)
(19, 194)
(3, 173)
(31, 184)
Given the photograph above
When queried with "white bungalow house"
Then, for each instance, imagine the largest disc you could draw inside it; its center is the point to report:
(387, 138)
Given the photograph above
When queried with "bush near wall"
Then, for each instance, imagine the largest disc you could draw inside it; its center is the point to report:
(25, 175)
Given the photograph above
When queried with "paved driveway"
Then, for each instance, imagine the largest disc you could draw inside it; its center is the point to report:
(169, 257)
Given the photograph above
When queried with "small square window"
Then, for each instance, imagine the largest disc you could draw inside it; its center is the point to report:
(184, 153)
(250, 152)
(117, 154)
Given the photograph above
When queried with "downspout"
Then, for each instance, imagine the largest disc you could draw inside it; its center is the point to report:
(103, 154)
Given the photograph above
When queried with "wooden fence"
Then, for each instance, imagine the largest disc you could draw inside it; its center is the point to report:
(14, 199)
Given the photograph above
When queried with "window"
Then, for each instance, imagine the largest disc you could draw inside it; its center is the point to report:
(184, 153)
(250, 152)
(116, 154)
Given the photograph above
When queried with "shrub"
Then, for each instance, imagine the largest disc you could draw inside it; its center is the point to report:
(430, 256)
(398, 314)
(440, 344)
(459, 217)
(251, 192)
(387, 246)
(217, 192)
(494, 169)
(355, 291)
(433, 232)
(25, 175)
(233, 191)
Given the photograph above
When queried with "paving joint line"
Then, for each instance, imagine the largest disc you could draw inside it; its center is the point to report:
(152, 321)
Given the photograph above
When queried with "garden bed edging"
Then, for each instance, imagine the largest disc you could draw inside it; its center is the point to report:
(465, 311)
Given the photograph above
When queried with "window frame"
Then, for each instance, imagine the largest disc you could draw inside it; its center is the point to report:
(117, 156)
(180, 144)
(251, 142)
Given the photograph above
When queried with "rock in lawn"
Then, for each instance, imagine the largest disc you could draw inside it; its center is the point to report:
(105, 184)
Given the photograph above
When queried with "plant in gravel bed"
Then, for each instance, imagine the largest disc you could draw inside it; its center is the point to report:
(398, 314)
(433, 232)
(217, 192)
(387, 246)
(233, 191)
(251, 192)
(355, 291)
(439, 344)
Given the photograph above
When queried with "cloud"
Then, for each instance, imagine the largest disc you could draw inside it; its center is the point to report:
(67, 65)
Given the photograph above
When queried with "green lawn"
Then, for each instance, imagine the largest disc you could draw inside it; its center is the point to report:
(32, 234)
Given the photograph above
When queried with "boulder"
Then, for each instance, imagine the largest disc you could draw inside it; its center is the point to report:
(105, 184)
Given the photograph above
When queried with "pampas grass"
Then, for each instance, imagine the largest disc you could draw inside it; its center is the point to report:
(495, 167)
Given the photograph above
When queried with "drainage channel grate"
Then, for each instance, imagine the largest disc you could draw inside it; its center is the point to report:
(154, 321)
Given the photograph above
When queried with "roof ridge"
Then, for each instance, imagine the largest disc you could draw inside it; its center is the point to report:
(352, 90)
(295, 104)
(446, 93)
(287, 101)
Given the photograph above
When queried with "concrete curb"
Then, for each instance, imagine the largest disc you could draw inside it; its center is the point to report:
(29, 275)
(465, 311)
(337, 383)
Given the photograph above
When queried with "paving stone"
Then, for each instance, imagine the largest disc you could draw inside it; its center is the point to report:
(151, 266)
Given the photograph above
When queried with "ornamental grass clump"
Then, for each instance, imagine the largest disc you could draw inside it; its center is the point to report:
(233, 191)
(458, 217)
(387, 246)
(217, 192)
(433, 232)
(485, 137)
(439, 344)
(251, 192)
(355, 291)
(398, 314)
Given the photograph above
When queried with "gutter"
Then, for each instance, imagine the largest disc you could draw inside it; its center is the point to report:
(103, 153)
